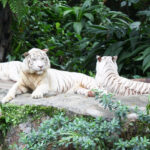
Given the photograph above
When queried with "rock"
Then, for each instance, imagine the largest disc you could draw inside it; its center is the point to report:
(76, 103)
(13, 135)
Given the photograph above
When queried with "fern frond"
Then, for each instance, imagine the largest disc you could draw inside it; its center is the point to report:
(18, 7)
(4, 2)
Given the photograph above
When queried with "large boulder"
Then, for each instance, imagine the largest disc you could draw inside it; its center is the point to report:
(72, 104)
(76, 103)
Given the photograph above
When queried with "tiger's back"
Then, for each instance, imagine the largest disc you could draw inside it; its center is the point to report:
(10, 70)
(63, 81)
(107, 75)
(122, 86)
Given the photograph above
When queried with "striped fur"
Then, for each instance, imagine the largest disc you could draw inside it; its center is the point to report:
(146, 80)
(41, 79)
(10, 70)
(107, 75)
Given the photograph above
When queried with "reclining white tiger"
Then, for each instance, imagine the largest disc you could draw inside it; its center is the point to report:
(10, 70)
(107, 76)
(37, 76)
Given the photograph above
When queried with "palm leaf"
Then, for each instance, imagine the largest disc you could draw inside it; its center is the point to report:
(77, 27)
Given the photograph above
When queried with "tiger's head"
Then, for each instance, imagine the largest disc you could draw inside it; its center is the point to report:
(106, 62)
(105, 65)
(36, 61)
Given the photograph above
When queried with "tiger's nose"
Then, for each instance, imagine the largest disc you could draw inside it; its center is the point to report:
(40, 67)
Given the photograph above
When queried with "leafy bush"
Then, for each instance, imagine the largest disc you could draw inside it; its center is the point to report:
(95, 133)
(62, 29)
(75, 34)
(12, 115)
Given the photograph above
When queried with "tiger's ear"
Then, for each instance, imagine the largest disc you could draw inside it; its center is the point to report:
(25, 54)
(98, 58)
(45, 50)
(114, 58)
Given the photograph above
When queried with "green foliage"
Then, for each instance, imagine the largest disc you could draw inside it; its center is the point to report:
(65, 31)
(18, 7)
(12, 115)
(89, 134)
(79, 17)
(148, 105)
(75, 34)
(3, 127)
(129, 2)
(137, 143)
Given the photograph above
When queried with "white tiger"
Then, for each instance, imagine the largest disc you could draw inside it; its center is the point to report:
(107, 76)
(10, 70)
(37, 76)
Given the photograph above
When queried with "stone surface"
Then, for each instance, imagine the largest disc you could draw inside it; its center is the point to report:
(76, 103)
(13, 134)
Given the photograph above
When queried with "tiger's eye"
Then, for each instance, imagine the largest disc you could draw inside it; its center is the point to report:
(33, 59)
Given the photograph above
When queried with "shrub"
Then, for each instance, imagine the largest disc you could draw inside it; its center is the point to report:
(75, 34)
(95, 133)
(65, 31)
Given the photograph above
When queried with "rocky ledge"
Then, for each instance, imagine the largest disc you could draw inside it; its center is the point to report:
(74, 104)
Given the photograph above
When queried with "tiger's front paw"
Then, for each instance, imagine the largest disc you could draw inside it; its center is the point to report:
(37, 94)
(6, 99)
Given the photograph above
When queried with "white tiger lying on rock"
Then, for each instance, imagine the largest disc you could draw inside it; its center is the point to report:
(107, 76)
(37, 76)
(10, 70)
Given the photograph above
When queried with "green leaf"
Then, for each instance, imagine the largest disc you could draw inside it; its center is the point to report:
(123, 22)
(135, 25)
(57, 25)
(89, 16)
(87, 3)
(146, 52)
(99, 27)
(124, 3)
(126, 54)
(115, 48)
(67, 12)
(146, 66)
(145, 12)
(67, 25)
(4, 2)
(146, 63)
(77, 27)
(77, 12)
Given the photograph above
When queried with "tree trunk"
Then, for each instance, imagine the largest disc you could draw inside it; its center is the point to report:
(5, 33)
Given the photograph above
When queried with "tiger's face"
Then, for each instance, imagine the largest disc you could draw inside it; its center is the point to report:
(104, 64)
(36, 61)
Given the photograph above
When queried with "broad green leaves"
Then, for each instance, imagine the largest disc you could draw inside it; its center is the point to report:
(77, 27)
(145, 56)
(76, 34)
(78, 16)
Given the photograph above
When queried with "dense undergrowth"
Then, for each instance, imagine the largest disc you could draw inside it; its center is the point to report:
(12, 115)
(79, 132)
(76, 31)
(100, 133)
